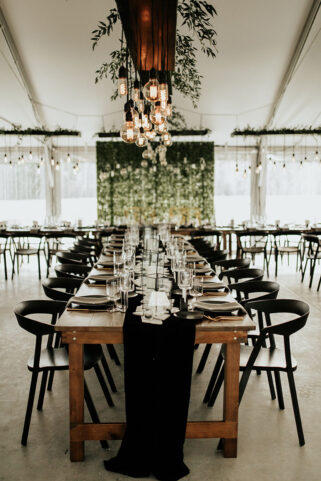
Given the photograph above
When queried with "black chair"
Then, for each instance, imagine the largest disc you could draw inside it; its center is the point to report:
(72, 270)
(265, 290)
(3, 251)
(311, 253)
(26, 245)
(71, 258)
(254, 243)
(286, 242)
(61, 288)
(52, 357)
(272, 359)
(231, 263)
(54, 242)
(246, 273)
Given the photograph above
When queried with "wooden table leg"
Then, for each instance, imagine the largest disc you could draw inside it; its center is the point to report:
(76, 397)
(231, 394)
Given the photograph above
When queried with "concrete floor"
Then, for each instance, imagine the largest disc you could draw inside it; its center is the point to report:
(268, 446)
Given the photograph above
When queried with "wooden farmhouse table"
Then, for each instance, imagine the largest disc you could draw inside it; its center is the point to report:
(79, 328)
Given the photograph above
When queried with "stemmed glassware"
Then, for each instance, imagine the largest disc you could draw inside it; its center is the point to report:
(195, 291)
(185, 278)
(113, 291)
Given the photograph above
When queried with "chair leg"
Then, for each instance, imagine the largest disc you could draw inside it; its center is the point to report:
(5, 265)
(276, 263)
(113, 354)
(279, 389)
(296, 409)
(204, 358)
(216, 389)
(214, 377)
(312, 272)
(42, 389)
(39, 268)
(32, 391)
(93, 413)
(103, 385)
(271, 385)
(108, 374)
(303, 271)
(50, 380)
(319, 284)
(13, 269)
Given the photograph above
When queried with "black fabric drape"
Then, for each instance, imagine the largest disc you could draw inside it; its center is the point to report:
(158, 369)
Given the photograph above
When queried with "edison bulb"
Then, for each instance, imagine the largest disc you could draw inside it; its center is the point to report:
(129, 133)
(122, 82)
(136, 91)
(151, 91)
(141, 141)
(156, 114)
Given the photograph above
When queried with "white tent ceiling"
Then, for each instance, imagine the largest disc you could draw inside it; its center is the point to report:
(256, 41)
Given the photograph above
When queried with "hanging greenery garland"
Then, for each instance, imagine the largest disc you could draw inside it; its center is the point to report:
(251, 132)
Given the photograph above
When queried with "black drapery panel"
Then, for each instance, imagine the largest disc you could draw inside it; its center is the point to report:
(158, 369)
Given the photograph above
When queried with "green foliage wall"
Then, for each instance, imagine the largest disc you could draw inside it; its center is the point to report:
(129, 186)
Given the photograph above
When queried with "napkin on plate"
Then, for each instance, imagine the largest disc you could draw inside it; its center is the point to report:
(217, 306)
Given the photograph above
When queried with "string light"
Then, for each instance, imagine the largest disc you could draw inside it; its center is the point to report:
(122, 82)
(30, 155)
(5, 158)
(52, 161)
(57, 167)
(151, 91)
(316, 158)
(38, 169)
(68, 158)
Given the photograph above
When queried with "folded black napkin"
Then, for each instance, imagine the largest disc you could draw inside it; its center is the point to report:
(158, 369)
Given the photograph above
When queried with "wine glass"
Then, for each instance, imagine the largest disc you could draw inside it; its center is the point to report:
(185, 281)
(113, 291)
(195, 291)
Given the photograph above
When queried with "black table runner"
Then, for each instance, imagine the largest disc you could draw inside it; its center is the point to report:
(158, 369)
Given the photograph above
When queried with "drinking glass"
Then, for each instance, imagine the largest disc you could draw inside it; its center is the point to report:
(113, 291)
(195, 291)
(185, 281)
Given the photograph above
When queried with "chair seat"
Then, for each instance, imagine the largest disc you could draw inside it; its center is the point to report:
(267, 359)
(288, 249)
(27, 252)
(254, 250)
(57, 358)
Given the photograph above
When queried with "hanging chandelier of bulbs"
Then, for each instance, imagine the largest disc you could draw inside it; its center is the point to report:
(146, 109)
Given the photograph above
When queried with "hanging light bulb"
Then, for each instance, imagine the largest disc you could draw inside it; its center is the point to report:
(141, 141)
(136, 91)
(140, 102)
(19, 161)
(57, 167)
(68, 158)
(30, 155)
(137, 118)
(10, 164)
(301, 162)
(5, 158)
(129, 132)
(245, 174)
(156, 114)
(52, 161)
(166, 136)
(151, 91)
(236, 168)
(162, 127)
(293, 157)
(163, 88)
(38, 168)
(146, 123)
(316, 158)
(122, 82)
(150, 134)
(284, 164)
(168, 111)
(274, 163)
(41, 160)
(22, 159)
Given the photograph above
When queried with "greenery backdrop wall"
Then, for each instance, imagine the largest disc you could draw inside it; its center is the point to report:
(179, 189)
